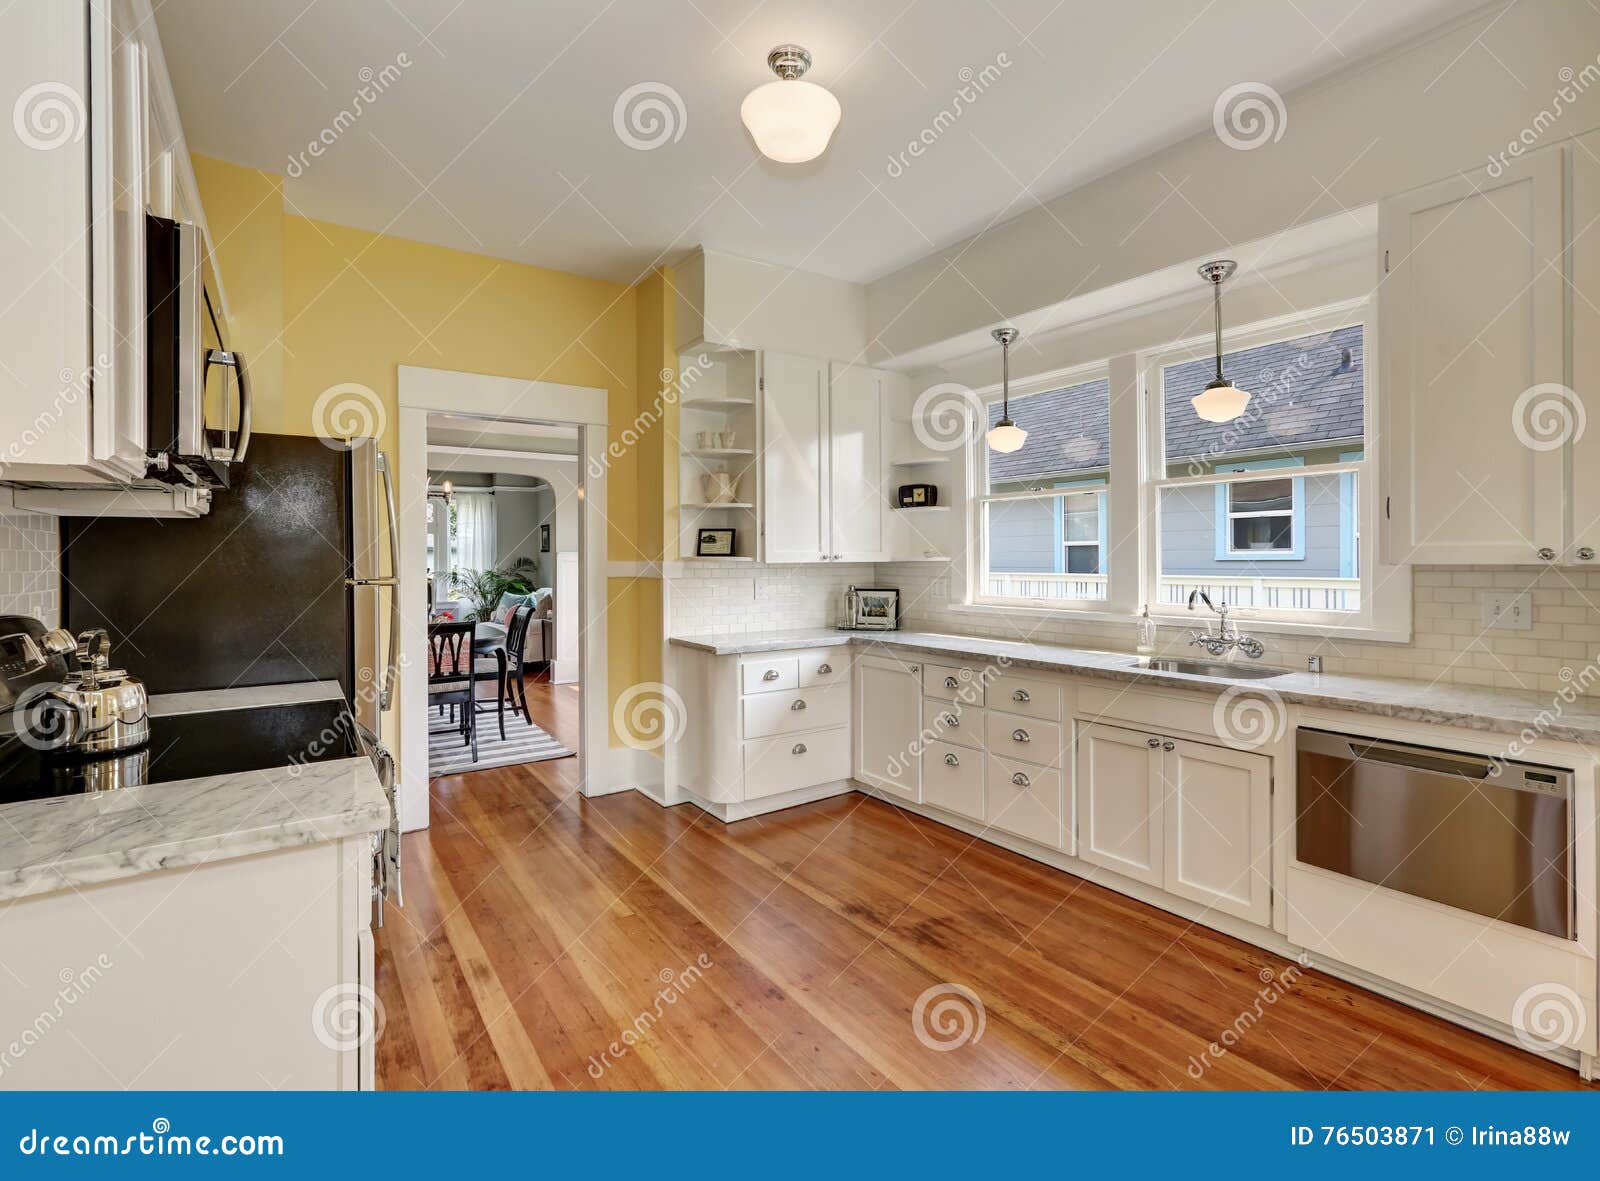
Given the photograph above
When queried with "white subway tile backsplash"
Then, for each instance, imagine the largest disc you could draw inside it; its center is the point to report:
(30, 564)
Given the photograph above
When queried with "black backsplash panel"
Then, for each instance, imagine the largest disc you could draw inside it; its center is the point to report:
(251, 594)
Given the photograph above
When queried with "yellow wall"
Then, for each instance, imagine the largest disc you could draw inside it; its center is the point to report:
(315, 305)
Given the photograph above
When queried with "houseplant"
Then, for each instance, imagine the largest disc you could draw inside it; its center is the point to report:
(483, 588)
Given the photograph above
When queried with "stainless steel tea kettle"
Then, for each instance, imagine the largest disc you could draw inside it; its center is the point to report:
(97, 708)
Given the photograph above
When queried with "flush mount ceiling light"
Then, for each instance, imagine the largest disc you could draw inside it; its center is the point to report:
(791, 120)
(1221, 400)
(1006, 436)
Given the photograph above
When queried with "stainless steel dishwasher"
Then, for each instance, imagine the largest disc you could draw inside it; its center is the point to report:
(1492, 837)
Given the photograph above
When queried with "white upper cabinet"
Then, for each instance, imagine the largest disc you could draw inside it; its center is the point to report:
(1584, 540)
(856, 464)
(794, 458)
(97, 145)
(1472, 335)
(823, 465)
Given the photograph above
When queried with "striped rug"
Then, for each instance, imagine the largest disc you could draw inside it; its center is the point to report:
(523, 743)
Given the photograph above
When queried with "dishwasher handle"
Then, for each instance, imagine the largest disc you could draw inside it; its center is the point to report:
(1400, 755)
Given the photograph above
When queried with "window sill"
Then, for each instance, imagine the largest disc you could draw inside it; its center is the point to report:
(1250, 624)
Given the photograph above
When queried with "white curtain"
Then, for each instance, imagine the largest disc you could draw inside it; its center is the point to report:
(475, 533)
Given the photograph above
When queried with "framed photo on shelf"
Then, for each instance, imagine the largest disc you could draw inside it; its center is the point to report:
(715, 543)
(877, 609)
(544, 539)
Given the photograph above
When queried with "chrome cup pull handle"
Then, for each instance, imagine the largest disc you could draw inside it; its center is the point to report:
(1020, 735)
(952, 720)
(799, 704)
(1020, 695)
(824, 669)
(1020, 779)
(950, 682)
(770, 675)
(799, 749)
(951, 761)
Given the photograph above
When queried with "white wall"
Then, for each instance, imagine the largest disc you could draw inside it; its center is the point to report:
(726, 300)
(1421, 113)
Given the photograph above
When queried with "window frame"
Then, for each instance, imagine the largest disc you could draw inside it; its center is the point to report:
(1296, 512)
(1385, 610)
(978, 502)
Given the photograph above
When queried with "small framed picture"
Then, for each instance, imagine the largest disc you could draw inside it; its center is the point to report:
(544, 538)
(877, 609)
(714, 543)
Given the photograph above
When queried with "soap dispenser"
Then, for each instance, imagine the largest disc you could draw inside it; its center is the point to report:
(1145, 641)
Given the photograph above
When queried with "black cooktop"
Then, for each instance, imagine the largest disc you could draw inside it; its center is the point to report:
(186, 746)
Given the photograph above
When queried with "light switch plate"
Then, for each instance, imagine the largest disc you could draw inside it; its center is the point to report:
(1507, 610)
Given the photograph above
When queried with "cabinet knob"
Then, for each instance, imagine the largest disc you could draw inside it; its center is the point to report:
(770, 675)
(1585, 553)
(1169, 746)
(951, 683)
(1152, 743)
(837, 557)
(1020, 695)
(951, 761)
(800, 704)
(1020, 735)
(824, 669)
(798, 749)
(1546, 554)
(1020, 779)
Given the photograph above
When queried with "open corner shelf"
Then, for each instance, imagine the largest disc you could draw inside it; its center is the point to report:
(921, 508)
(723, 405)
(717, 504)
(720, 452)
(918, 460)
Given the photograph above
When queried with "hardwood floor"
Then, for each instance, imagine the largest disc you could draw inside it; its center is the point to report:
(827, 946)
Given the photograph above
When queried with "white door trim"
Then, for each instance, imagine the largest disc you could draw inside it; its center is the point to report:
(425, 391)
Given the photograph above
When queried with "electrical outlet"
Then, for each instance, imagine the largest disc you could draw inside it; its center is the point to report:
(758, 589)
(1507, 610)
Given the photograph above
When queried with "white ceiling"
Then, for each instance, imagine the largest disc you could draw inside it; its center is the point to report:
(499, 135)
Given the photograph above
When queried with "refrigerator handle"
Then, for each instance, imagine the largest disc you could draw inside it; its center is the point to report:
(392, 582)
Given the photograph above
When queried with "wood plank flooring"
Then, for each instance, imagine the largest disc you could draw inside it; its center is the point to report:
(551, 941)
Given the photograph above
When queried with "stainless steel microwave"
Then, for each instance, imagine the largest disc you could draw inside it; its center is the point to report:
(194, 435)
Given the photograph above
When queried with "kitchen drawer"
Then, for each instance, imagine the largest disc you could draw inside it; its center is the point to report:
(954, 682)
(1024, 800)
(830, 666)
(952, 779)
(951, 721)
(800, 709)
(773, 766)
(1027, 739)
(771, 675)
(1157, 712)
(1027, 695)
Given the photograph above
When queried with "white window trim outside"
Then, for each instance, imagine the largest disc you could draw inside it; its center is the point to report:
(1385, 612)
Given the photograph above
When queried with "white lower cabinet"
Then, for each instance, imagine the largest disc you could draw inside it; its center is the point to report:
(1024, 799)
(888, 724)
(1119, 801)
(952, 779)
(773, 766)
(1189, 817)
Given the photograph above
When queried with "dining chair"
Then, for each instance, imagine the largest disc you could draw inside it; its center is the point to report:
(451, 673)
(492, 667)
(516, 668)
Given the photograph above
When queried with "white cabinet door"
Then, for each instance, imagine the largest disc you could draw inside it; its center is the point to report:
(1585, 263)
(44, 246)
(794, 458)
(1218, 818)
(888, 725)
(1119, 801)
(120, 162)
(1470, 327)
(858, 502)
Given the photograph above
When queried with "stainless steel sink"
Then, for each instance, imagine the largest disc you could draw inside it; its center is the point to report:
(1209, 668)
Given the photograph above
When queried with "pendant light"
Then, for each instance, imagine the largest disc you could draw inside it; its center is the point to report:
(790, 120)
(1221, 400)
(1006, 436)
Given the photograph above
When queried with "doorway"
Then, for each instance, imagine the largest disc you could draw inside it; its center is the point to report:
(477, 453)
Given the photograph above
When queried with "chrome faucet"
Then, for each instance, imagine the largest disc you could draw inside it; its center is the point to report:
(1226, 636)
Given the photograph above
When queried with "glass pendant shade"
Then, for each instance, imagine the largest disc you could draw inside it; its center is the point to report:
(791, 121)
(1006, 436)
(1220, 403)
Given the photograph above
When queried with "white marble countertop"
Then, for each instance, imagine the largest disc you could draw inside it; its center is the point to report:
(1501, 711)
(56, 844)
(243, 697)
